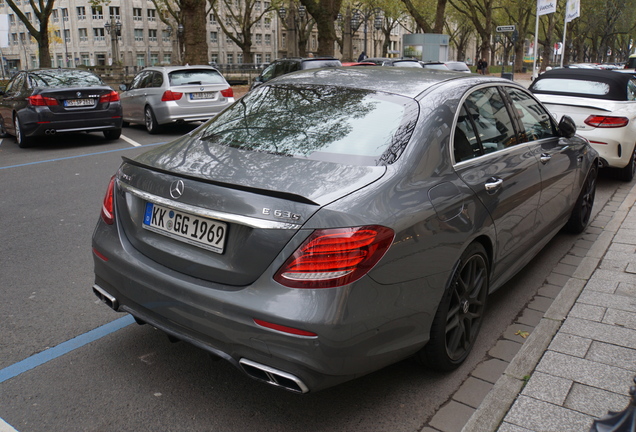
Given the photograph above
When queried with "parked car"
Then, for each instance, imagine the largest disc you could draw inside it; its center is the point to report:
(457, 66)
(43, 102)
(362, 63)
(337, 221)
(162, 95)
(398, 62)
(289, 65)
(602, 103)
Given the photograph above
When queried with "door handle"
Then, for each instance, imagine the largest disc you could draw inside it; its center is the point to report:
(493, 184)
(545, 158)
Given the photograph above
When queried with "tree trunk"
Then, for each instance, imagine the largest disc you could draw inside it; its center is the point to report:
(195, 41)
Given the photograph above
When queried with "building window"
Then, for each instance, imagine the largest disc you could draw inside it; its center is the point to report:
(154, 59)
(141, 60)
(14, 38)
(85, 60)
(67, 35)
(239, 58)
(268, 39)
(212, 19)
(152, 35)
(136, 14)
(139, 35)
(98, 34)
(167, 58)
(257, 6)
(268, 23)
(152, 15)
(55, 16)
(230, 58)
(97, 12)
(114, 12)
(258, 58)
(283, 40)
(60, 60)
(259, 39)
(64, 14)
(83, 35)
(81, 13)
(268, 58)
(28, 16)
(166, 36)
(214, 37)
(11, 19)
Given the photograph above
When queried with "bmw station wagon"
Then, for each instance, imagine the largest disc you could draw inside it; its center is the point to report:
(336, 221)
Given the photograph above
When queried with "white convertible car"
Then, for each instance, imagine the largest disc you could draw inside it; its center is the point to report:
(602, 103)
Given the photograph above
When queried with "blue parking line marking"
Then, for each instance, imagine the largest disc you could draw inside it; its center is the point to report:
(63, 348)
(80, 156)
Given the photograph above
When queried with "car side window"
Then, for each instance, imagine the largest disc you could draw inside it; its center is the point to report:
(268, 73)
(465, 143)
(492, 121)
(157, 79)
(631, 90)
(535, 119)
(15, 87)
(136, 82)
(146, 81)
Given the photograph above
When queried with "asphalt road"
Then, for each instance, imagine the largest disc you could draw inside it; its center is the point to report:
(133, 379)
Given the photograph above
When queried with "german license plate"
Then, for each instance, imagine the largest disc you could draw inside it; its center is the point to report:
(78, 102)
(203, 95)
(202, 232)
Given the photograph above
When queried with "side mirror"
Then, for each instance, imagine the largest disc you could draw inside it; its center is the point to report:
(123, 87)
(567, 127)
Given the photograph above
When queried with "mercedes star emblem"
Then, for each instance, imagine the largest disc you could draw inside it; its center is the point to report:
(176, 189)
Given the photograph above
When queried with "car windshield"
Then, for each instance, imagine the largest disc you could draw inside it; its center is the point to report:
(64, 78)
(314, 64)
(563, 85)
(344, 125)
(195, 77)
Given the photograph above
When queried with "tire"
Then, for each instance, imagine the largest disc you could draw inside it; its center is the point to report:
(112, 134)
(150, 121)
(125, 124)
(23, 142)
(627, 173)
(460, 313)
(582, 210)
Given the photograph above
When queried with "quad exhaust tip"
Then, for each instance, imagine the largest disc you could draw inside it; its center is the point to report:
(273, 376)
(105, 297)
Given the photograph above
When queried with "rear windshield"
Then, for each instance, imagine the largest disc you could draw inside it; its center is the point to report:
(407, 64)
(563, 85)
(315, 64)
(195, 77)
(64, 78)
(351, 126)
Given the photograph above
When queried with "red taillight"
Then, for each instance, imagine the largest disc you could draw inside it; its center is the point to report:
(284, 329)
(606, 121)
(108, 208)
(39, 100)
(110, 97)
(169, 95)
(228, 92)
(335, 257)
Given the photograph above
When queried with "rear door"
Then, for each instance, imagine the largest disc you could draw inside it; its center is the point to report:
(133, 99)
(502, 171)
(558, 160)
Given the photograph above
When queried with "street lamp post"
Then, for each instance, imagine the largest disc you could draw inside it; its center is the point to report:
(114, 30)
(64, 36)
(363, 17)
(180, 32)
(296, 16)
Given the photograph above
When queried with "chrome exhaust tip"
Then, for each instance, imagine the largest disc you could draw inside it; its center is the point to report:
(273, 376)
(50, 132)
(105, 297)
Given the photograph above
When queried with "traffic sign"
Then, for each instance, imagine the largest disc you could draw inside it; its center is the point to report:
(506, 28)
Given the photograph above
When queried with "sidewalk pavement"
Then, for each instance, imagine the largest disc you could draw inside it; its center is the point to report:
(580, 360)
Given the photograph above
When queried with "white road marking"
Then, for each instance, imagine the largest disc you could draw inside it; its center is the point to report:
(130, 141)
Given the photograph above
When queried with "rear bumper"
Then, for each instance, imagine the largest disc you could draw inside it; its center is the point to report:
(613, 153)
(37, 125)
(352, 338)
(171, 112)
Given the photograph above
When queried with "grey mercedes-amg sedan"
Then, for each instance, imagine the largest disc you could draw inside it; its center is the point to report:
(334, 221)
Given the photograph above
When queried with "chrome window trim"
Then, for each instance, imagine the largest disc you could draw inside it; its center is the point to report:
(251, 222)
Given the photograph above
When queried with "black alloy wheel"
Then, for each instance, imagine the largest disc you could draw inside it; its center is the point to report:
(460, 313)
(582, 211)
